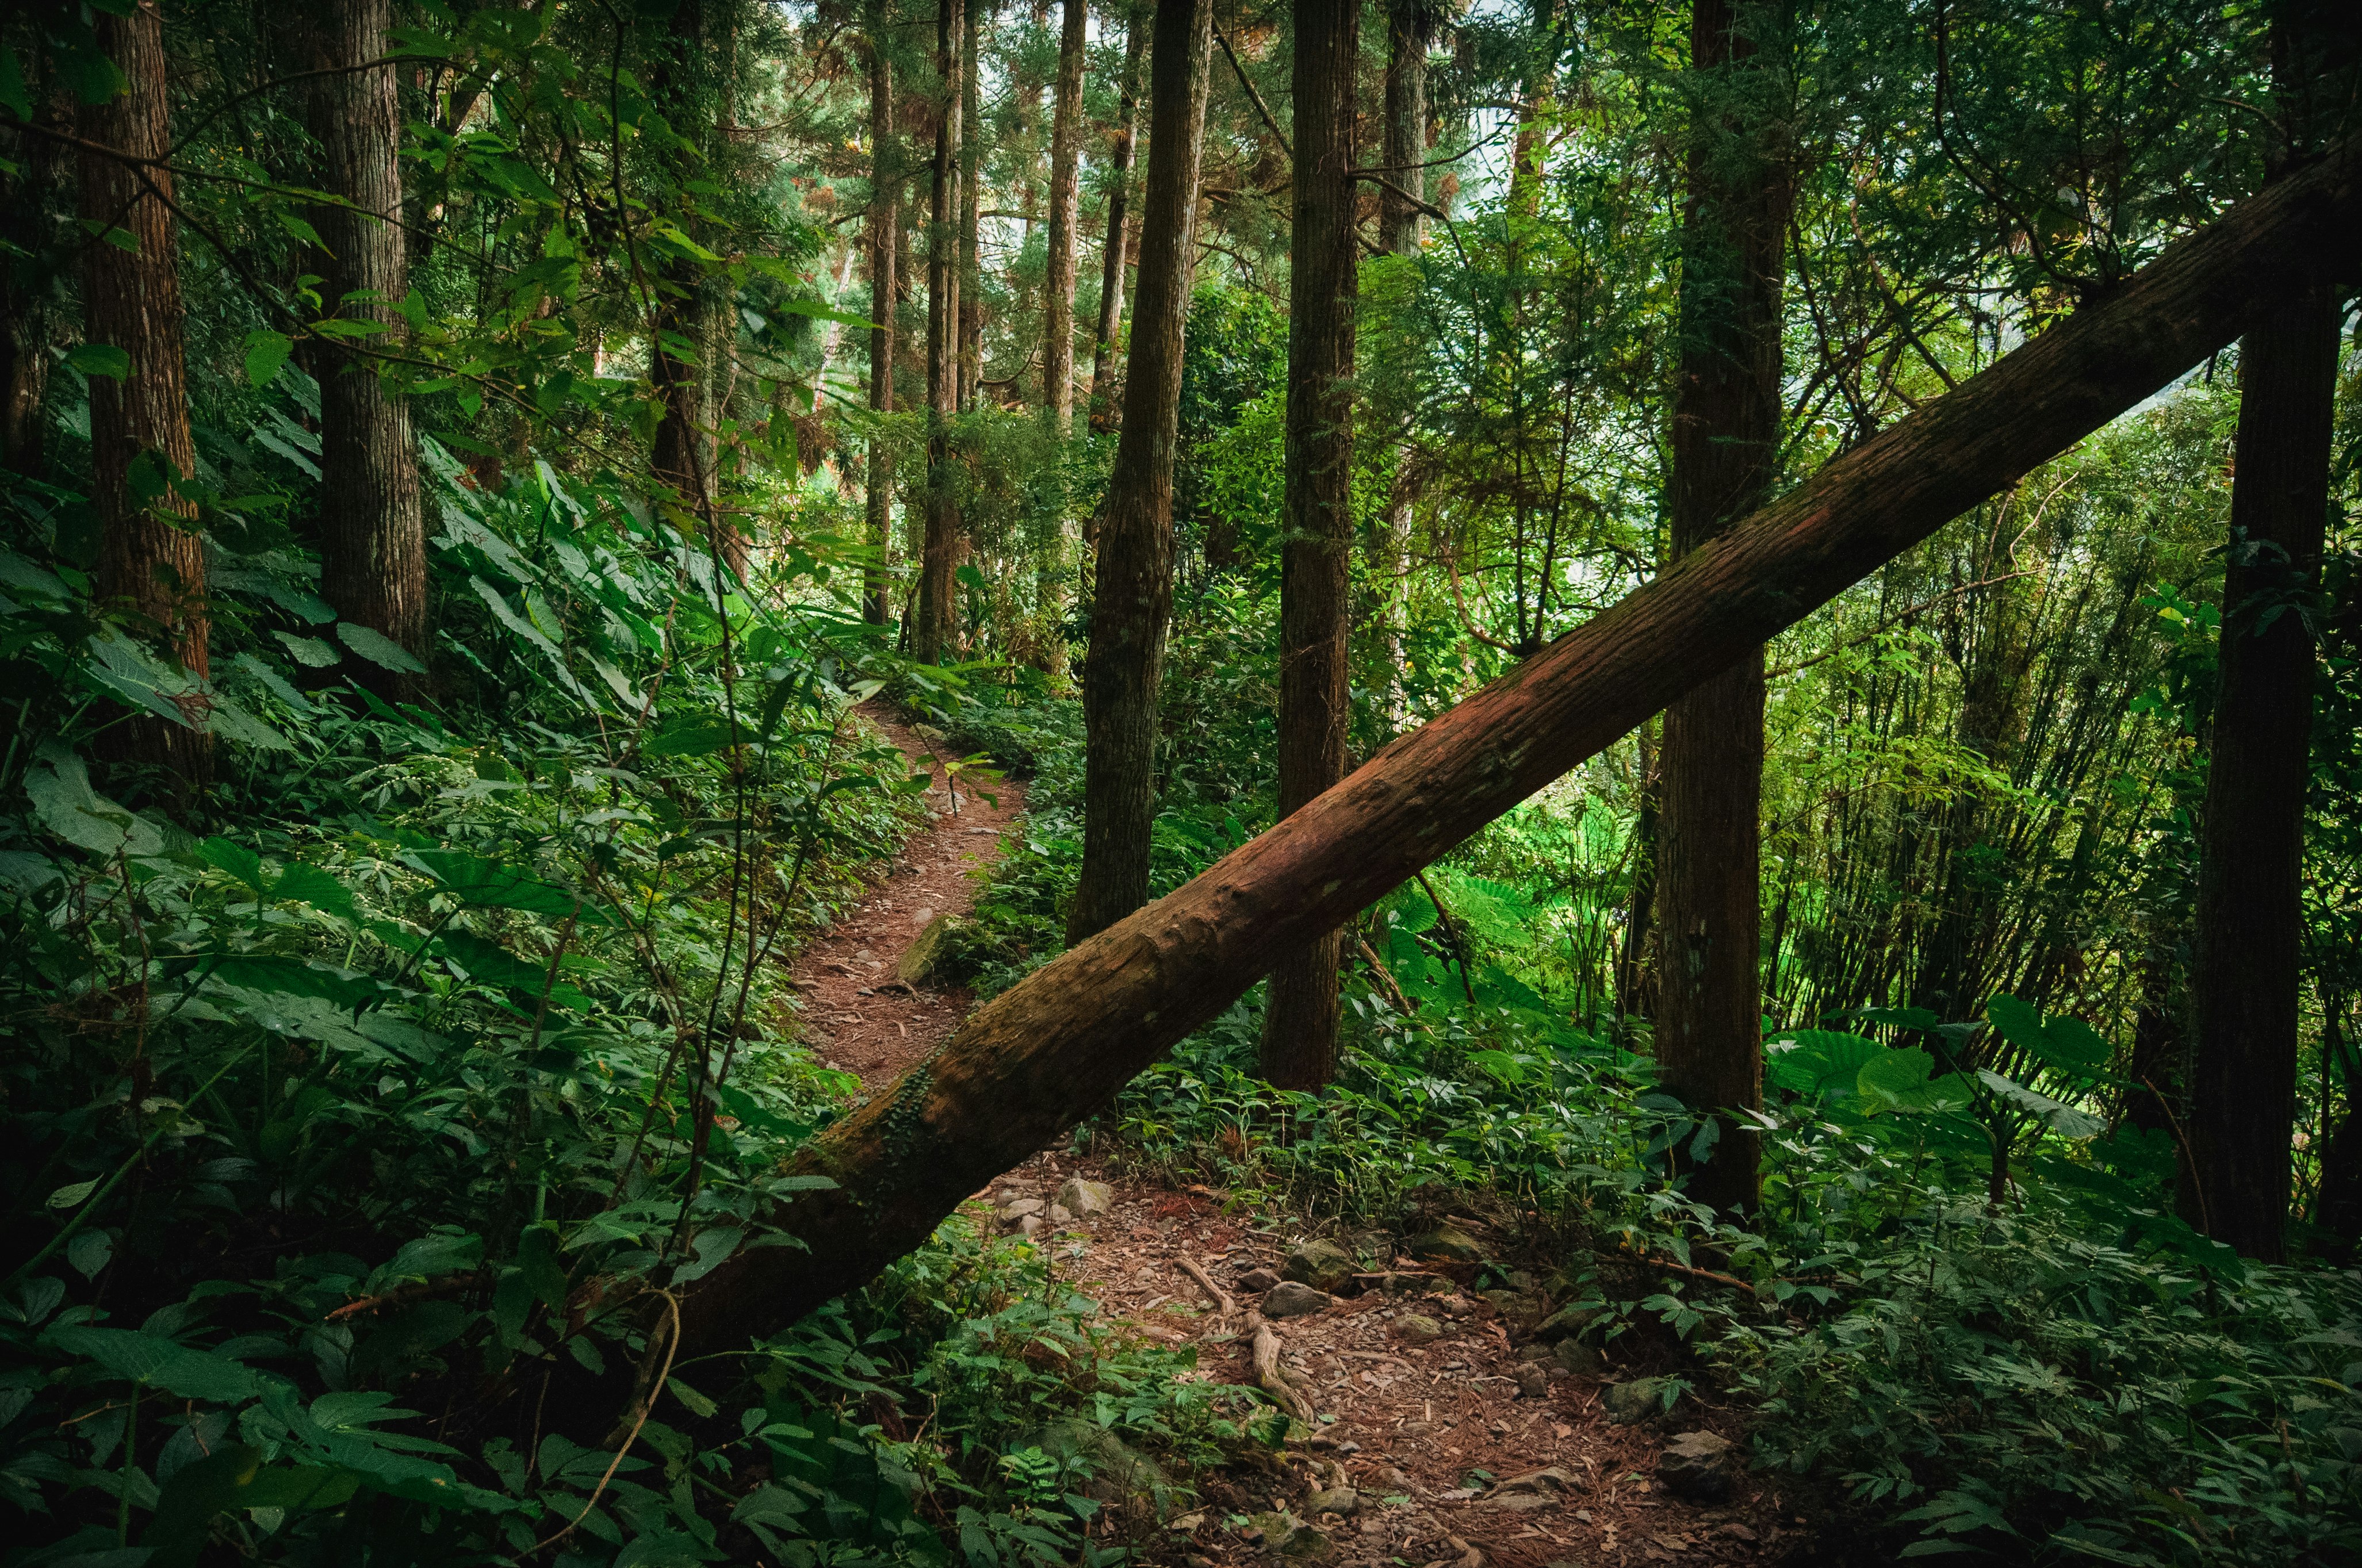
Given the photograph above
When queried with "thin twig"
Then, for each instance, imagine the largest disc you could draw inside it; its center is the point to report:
(647, 1403)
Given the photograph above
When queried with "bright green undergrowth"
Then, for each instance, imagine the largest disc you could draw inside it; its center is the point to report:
(362, 1102)
(2066, 1374)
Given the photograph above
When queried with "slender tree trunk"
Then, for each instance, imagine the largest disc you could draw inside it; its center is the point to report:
(940, 556)
(1726, 442)
(1131, 601)
(1053, 1049)
(2250, 925)
(885, 221)
(679, 455)
(372, 518)
(1112, 262)
(2338, 1215)
(151, 561)
(27, 321)
(971, 319)
(1065, 139)
(1410, 34)
(1299, 1040)
(1636, 975)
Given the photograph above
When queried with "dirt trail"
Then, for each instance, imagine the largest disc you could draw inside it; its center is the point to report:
(1447, 1434)
(856, 1014)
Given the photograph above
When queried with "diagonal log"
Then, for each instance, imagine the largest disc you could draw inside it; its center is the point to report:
(1055, 1049)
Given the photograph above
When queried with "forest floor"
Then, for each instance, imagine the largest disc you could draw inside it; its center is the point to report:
(1450, 1459)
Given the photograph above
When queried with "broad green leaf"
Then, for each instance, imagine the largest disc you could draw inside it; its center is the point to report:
(309, 651)
(13, 96)
(688, 735)
(265, 353)
(1818, 1061)
(488, 962)
(101, 359)
(1902, 1080)
(233, 1479)
(378, 648)
(226, 855)
(68, 1196)
(310, 884)
(2063, 1119)
(158, 1362)
(476, 880)
(2063, 1044)
(58, 785)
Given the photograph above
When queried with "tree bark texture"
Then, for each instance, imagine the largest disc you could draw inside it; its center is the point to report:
(885, 218)
(1132, 603)
(1636, 969)
(1725, 441)
(683, 345)
(939, 556)
(1065, 149)
(372, 518)
(1410, 34)
(1299, 1037)
(1112, 262)
(971, 296)
(1053, 1049)
(2250, 924)
(28, 225)
(151, 561)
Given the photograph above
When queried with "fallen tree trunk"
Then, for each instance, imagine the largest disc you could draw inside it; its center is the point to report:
(1052, 1050)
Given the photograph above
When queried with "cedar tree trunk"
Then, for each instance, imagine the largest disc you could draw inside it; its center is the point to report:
(1725, 439)
(885, 218)
(1131, 601)
(1410, 33)
(1111, 263)
(1299, 1037)
(151, 561)
(971, 158)
(939, 557)
(1066, 134)
(2250, 924)
(372, 519)
(1053, 1049)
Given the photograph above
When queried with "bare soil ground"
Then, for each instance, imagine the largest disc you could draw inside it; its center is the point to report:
(1430, 1436)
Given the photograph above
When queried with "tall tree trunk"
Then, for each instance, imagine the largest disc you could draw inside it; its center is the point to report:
(1635, 972)
(1111, 263)
(1725, 439)
(27, 289)
(1300, 1038)
(885, 220)
(372, 518)
(680, 455)
(1052, 1050)
(1410, 34)
(940, 558)
(971, 319)
(2248, 933)
(1131, 601)
(1065, 139)
(2250, 925)
(151, 561)
(2338, 1215)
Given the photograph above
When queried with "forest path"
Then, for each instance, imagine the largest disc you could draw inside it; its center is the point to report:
(856, 1015)
(1429, 1449)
